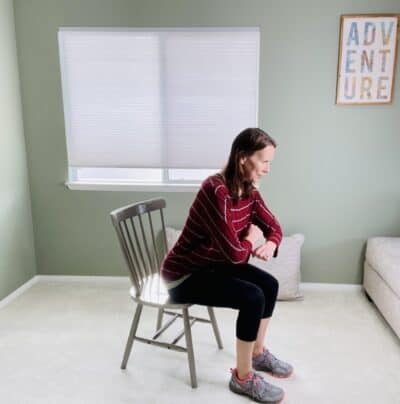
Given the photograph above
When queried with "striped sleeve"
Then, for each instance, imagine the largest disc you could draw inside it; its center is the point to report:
(213, 210)
(266, 221)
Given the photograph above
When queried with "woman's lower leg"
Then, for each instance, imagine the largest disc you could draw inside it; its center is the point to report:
(244, 353)
(259, 343)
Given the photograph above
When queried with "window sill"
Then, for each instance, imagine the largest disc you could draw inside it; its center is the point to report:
(129, 186)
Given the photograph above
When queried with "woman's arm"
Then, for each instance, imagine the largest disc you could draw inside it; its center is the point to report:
(266, 221)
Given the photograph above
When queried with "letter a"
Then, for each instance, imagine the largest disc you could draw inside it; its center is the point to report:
(353, 34)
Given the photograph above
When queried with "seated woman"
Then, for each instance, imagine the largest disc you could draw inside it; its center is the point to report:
(208, 264)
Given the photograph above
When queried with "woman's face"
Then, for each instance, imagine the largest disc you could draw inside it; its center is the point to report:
(259, 163)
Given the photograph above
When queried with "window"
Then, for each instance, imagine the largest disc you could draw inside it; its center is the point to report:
(155, 106)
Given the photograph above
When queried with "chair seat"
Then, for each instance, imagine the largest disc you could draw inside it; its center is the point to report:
(155, 293)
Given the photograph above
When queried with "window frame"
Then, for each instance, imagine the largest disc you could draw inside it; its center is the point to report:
(75, 183)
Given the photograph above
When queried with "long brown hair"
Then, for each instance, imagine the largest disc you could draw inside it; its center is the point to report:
(245, 144)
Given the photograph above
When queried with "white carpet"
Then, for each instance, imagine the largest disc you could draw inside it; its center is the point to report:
(62, 342)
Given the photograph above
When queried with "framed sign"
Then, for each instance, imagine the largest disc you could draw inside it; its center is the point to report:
(367, 59)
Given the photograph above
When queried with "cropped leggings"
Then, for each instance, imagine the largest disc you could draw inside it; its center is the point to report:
(244, 287)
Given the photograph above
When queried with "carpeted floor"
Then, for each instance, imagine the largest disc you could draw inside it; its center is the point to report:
(62, 342)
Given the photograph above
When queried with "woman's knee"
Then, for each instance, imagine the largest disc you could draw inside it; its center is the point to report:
(253, 300)
(270, 285)
(274, 285)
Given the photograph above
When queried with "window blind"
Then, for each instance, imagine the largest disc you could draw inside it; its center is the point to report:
(157, 98)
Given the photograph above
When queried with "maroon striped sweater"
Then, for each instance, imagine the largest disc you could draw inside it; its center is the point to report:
(215, 229)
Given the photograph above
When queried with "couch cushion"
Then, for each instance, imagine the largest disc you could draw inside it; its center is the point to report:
(383, 254)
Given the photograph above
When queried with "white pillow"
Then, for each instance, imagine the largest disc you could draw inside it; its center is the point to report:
(285, 267)
(172, 236)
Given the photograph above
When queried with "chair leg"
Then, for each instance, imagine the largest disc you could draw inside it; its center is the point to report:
(189, 346)
(132, 334)
(159, 318)
(215, 327)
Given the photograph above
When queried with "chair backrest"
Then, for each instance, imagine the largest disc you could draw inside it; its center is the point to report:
(140, 248)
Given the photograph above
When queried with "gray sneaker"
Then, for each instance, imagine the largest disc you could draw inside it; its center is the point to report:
(266, 362)
(257, 388)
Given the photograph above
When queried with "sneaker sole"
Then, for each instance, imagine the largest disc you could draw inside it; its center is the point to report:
(254, 399)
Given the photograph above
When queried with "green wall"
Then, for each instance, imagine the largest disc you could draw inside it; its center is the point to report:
(335, 175)
(17, 257)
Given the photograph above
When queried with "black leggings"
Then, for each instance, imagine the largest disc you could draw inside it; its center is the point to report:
(239, 286)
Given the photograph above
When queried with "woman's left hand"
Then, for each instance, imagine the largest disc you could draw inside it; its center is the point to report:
(265, 251)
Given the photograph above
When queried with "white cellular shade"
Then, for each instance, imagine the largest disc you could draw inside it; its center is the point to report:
(167, 98)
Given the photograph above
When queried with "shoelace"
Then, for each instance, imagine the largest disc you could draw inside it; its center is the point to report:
(258, 384)
(270, 357)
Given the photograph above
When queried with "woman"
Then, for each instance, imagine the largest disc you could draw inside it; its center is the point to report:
(208, 265)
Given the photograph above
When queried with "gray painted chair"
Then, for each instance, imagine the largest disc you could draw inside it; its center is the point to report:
(142, 255)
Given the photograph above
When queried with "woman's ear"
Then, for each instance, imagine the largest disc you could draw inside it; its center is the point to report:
(242, 160)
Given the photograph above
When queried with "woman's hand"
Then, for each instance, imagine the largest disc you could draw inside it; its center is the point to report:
(265, 251)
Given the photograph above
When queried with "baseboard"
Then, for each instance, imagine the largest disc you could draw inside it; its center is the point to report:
(124, 280)
(82, 278)
(18, 292)
(329, 286)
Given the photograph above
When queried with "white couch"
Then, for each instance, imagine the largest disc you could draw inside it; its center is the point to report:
(382, 277)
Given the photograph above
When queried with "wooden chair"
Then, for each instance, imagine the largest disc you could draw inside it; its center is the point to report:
(143, 258)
